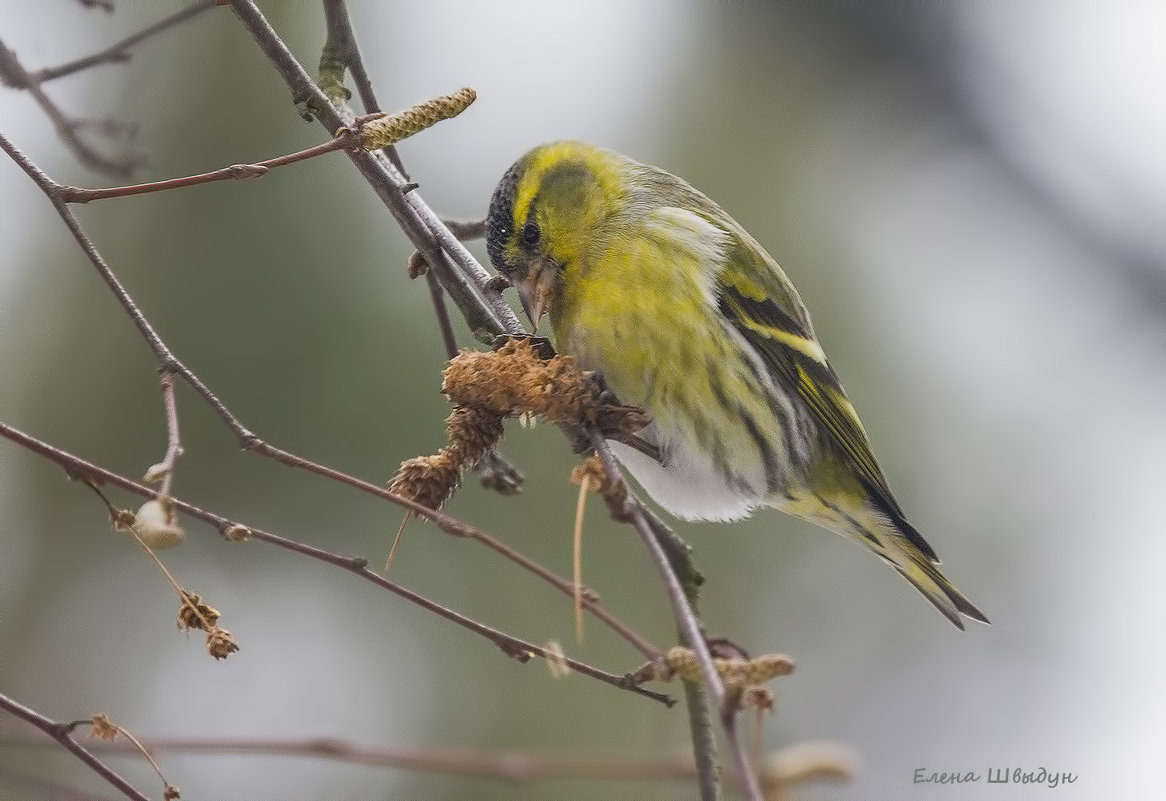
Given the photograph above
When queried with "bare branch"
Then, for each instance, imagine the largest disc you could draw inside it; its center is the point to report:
(164, 469)
(690, 630)
(512, 646)
(119, 52)
(487, 314)
(466, 230)
(62, 733)
(796, 764)
(341, 49)
(104, 5)
(40, 787)
(12, 73)
(72, 194)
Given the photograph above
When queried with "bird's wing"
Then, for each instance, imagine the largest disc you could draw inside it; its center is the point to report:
(761, 303)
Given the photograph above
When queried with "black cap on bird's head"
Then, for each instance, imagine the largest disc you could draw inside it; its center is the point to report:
(514, 246)
(500, 219)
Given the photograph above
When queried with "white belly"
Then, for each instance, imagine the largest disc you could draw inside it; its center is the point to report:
(688, 487)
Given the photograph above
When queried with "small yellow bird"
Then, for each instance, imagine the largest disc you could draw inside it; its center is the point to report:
(650, 282)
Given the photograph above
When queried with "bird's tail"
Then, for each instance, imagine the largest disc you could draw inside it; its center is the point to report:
(920, 571)
(902, 547)
(882, 528)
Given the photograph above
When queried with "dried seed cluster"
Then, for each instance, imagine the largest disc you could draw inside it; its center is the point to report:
(486, 388)
(514, 379)
(194, 614)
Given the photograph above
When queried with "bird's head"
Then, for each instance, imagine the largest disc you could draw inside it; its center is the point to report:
(547, 212)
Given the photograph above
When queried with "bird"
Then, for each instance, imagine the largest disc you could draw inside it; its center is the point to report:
(653, 285)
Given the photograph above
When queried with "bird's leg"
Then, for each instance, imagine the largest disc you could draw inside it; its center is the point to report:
(617, 421)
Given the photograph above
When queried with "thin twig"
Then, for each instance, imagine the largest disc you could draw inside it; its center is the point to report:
(416, 219)
(72, 194)
(704, 743)
(166, 359)
(437, 294)
(746, 770)
(12, 73)
(31, 786)
(466, 230)
(512, 646)
(686, 620)
(119, 52)
(341, 45)
(105, 729)
(62, 733)
(173, 438)
(342, 39)
(798, 763)
(457, 528)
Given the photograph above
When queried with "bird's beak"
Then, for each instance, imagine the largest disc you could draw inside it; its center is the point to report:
(536, 289)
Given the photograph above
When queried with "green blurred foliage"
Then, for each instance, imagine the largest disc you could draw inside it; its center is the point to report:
(288, 296)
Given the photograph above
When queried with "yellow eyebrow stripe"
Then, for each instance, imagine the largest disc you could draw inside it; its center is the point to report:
(603, 165)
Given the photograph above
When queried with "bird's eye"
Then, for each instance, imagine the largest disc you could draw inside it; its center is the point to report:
(530, 233)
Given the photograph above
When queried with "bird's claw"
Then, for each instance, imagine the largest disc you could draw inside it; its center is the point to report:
(542, 346)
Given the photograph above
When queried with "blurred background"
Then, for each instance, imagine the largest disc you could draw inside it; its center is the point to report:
(971, 198)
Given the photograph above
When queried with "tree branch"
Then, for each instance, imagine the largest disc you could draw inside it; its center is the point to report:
(119, 52)
(12, 73)
(513, 646)
(62, 733)
(797, 764)
(459, 272)
(71, 194)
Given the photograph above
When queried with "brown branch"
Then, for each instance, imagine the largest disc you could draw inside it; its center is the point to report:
(164, 469)
(457, 528)
(459, 272)
(40, 787)
(102, 728)
(62, 733)
(466, 230)
(71, 194)
(804, 762)
(119, 52)
(343, 41)
(444, 326)
(341, 45)
(686, 622)
(517, 648)
(12, 73)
